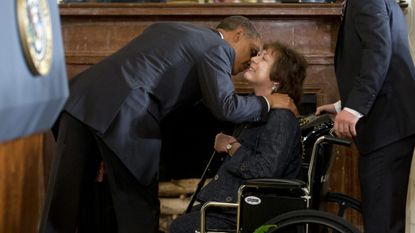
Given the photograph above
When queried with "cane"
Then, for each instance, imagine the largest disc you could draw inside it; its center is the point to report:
(202, 181)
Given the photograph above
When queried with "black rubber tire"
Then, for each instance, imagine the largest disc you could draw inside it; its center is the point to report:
(318, 217)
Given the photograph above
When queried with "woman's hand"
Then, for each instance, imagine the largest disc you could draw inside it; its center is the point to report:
(222, 141)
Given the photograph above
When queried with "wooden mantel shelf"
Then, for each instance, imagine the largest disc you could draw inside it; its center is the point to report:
(92, 31)
(208, 9)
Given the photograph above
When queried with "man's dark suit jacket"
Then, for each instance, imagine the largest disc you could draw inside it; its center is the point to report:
(268, 150)
(125, 96)
(375, 72)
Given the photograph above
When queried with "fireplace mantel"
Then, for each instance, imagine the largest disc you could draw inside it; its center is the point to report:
(92, 31)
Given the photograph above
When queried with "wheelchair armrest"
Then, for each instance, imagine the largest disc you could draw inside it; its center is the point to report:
(276, 183)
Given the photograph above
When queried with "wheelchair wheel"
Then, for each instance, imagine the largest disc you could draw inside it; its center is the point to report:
(309, 221)
(344, 202)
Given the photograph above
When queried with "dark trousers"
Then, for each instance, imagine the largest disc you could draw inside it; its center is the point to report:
(384, 176)
(71, 202)
(190, 222)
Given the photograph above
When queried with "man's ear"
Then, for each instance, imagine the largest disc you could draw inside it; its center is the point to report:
(239, 32)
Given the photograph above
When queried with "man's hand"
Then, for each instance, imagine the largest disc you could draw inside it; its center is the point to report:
(345, 124)
(278, 100)
(328, 108)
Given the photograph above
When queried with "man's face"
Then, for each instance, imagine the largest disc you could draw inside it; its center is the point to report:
(245, 48)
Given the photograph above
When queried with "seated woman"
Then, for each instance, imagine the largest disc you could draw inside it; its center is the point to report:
(270, 149)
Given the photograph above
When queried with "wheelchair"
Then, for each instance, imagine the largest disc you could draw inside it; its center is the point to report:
(288, 206)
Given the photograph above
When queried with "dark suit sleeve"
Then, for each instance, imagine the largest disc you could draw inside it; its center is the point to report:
(276, 153)
(214, 72)
(371, 23)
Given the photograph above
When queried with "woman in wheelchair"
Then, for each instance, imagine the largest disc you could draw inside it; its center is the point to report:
(270, 149)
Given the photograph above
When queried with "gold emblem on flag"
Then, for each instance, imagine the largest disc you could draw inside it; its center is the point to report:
(35, 28)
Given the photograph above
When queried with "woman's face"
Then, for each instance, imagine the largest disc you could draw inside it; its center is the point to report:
(258, 73)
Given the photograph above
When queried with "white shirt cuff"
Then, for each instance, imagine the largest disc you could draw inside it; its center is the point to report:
(338, 106)
(266, 100)
(354, 112)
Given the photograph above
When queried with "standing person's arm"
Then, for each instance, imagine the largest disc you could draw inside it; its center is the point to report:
(331, 109)
(371, 23)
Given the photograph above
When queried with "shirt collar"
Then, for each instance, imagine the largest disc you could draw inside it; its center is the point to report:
(221, 35)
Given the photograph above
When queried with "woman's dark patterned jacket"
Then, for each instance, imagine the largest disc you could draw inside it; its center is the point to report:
(268, 150)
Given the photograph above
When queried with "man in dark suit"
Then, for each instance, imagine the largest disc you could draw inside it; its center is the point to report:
(115, 108)
(376, 80)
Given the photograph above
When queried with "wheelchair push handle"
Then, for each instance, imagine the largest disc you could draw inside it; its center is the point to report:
(336, 140)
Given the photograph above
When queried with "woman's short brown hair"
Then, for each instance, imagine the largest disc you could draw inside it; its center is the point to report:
(289, 69)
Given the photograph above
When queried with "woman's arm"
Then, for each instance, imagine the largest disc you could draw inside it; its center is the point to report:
(277, 146)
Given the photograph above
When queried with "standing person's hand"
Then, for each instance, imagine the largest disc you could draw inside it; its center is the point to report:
(345, 124)
(278, 100)
(327, 108)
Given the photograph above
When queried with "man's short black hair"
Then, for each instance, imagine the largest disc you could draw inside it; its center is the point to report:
(233, 22)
